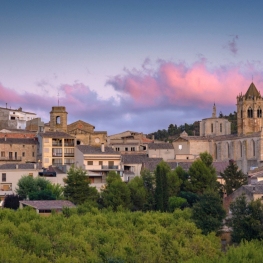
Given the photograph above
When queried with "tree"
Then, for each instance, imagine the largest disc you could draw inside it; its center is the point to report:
(57, 190)
(233, 177)
(208, 213)
(78, 189)
(148, 182)
(174, 183)
(200, 178)
(138, 193)
(11, 201)
(161, 188)
(175, 202)
(183, 176)
(246, 220)
(116, 193)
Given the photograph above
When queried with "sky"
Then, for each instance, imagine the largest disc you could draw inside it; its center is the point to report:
(128, 64)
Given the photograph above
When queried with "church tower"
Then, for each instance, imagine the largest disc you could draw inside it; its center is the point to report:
(249, 111)
(58, 119)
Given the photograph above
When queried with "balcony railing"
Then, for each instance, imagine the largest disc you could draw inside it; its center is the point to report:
(110, 167)
(101, 167)
(56, 154)
(69, 144)
(56, 144)
(10, 158)
(68, 154)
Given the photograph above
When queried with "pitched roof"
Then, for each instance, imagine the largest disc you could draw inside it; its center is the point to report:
(18, 140)
(48, 204)
(134, 158)
(56, 134)
(252, 92)
(153, 146)
(87, 149)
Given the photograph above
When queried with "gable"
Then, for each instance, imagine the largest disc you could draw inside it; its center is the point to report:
(81, 126)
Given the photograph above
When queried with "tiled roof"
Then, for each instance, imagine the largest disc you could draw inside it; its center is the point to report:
(48, 204)
(151, 164)
(24, 166)
(252, 91)
(56, 134)
(153, 146)
(87, 149)
(134, 158)
(18, 141)
(255, 188)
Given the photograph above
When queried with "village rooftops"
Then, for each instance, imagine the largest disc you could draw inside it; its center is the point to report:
(18, 110)
(48, 204)
(87, 149)
(160, 146)
(56, 134)
(135, 158)
(8, 140)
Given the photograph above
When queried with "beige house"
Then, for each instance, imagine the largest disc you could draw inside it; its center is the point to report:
(161, 150)
(10, 174)
(98, 162)
(56, 149)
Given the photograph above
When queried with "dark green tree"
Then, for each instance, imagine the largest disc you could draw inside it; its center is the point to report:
(233, 177)
(174, 183)
(208, 213)
(246, 220)
(149, 183)
(77, 188)
(138, 193)
(161, 186)
(11, 201)
(200, 178)
(116, 193)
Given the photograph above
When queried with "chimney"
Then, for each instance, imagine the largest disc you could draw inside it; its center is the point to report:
(102, 148)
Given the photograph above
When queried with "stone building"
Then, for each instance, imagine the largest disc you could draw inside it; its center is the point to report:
(246, 147)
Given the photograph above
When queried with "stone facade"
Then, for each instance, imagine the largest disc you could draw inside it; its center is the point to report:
(249, 111)
(58, 119)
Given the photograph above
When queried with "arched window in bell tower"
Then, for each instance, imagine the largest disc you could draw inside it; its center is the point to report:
(259, 113)
(58, 120)
(250, 113)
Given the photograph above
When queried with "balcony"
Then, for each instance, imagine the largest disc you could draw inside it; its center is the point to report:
(68, 154)
(110, 167)
(70, 144)
(57, 144)
(101, 167)
(56, 154)
(10, 158)
(6, 187)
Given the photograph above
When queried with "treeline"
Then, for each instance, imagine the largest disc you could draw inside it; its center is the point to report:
(173, 131)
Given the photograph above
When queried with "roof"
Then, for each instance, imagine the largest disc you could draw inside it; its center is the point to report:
(151, 164)
(255, 188)
(55, 134)
(134, 158)
(19, 110)
(87, 149)
(80, 121)
(152, 146)
(18, 141)
(252, 92)
(12, 166)
(48, 204)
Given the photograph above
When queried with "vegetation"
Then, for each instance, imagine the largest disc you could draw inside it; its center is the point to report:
(233, 178)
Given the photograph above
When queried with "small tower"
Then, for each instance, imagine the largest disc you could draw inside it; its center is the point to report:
(58, 119)
(249, 111)
(214, 111)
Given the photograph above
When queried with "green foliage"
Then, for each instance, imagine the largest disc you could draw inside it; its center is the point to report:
(246, 220)
(233, 177)
(138, 193)
(190, 197)
(174, 183)
(57, 190)
(175, 202)
(208, 213)
(45, 194)
(11, 201)
(116, 193)
(183, 176)
(161, 188)
(102, 236)
(78, 189)
(201, 178)
(148, 182)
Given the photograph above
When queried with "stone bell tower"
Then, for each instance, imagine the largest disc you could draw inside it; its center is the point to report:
(249, 111)
(58, 119)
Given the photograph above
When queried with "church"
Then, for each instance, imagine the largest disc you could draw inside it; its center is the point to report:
(245, 147)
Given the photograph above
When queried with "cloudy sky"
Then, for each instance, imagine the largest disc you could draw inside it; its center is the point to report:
(129, 64)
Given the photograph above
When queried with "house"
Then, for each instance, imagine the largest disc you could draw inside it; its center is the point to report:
(45, 207)
(14, 118)
(98, 162)
(56, 149)
(18, 149)
(161, 150)
(11, 173)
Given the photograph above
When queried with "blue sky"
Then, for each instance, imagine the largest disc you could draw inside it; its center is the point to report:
(137, 65)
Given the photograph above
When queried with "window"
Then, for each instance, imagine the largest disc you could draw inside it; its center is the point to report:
(13, 118)
(117, 149)
(23, 146)
(2, 154)
(221, 128)
(57, 152)
(241, 153)
(33, 154)
(228, 150)
(250, 113)
(58, 120)
(180, 146)
(212, 127)
(69, 152)
(241, 114)
(253, 148)
(126, 149)
(90, 162)
(30, 174)
(259, 112)
(23, 154)
(100, 162)
(133, 149)
(3, 177)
